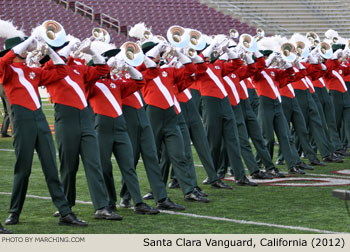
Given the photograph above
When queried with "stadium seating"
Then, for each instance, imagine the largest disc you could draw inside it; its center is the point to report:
(289, 16)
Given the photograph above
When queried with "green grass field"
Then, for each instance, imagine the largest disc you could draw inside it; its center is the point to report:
(266, 209)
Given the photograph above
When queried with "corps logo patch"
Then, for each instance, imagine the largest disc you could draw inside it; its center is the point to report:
(164, 74)
(341, 71)
(217, 67)
(75, 71)
(233, 76)
(112, 85)
(272, 73)
(32, 75)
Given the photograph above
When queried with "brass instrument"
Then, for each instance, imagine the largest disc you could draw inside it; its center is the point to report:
(248, 43)
(190, 52)
(131, 53)
(197, 40)
(313, 37)
(178, 36)
(323, 50)
(260, 33)
(234, 33)
(301, 49)
(288, 52)
(101, 34)
(53, 33)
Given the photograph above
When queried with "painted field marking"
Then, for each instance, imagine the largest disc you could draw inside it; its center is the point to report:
(242, 222)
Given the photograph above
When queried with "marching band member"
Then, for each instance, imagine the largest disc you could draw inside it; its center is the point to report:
(74, 128)
(159, 96)
(31, 130)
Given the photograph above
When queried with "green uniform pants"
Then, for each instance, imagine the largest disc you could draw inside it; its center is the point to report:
(165, 160)
(254, 132)
(313, 120)
(75, 135)
(341, 103)
(165, 129)
(246, 149)
(220, 125)
(113, 138)
(199, 138)
(294, 115)
(254, 100)
(271, 118)
(329, 114)
(142, 141)
(31, 131)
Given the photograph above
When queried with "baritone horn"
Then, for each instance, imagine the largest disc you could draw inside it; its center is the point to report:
(248, 43)
(325, 50)
(301, 49)
(197, 40)
(53, 33)
(233, 33)
(313, 37)
(101, 34)
(131, 53)
(178, 36)
(260, 33)
(288, 52)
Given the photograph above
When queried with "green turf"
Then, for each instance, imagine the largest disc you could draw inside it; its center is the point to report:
(310, 207)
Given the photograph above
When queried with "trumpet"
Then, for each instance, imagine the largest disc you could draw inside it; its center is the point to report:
(37, 54)
(234, 33)
(221, 45)
(288, 52)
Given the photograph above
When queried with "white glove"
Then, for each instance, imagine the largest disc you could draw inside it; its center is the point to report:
(56, 59)
(134, 73)
(112, 62)
(65, 51)
(324, 68)
(288, 65)
(337, 54)
(149, 63)
(182, 57)
(312, 59)
(249, 59)
(156, 50)
(270, 59)
(197, 59)
(96, 58)
(258, 54)
(299, 65)
(26, 46)
(207, 51)
(224, 57)
(232, 53)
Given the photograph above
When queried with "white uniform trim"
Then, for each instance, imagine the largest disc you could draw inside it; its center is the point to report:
(107, 93)
(233, 88)
(322, 81)
(290, 87)
(272, 85)
(336, 74)
(27, 86)
(77, 89)
(164, 91)
(244, 86)
(308, 81)
(138, 96)
(177, 105)
(188, 93)
(216, 81)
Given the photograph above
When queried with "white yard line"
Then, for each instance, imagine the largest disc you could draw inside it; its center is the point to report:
(242, 222)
